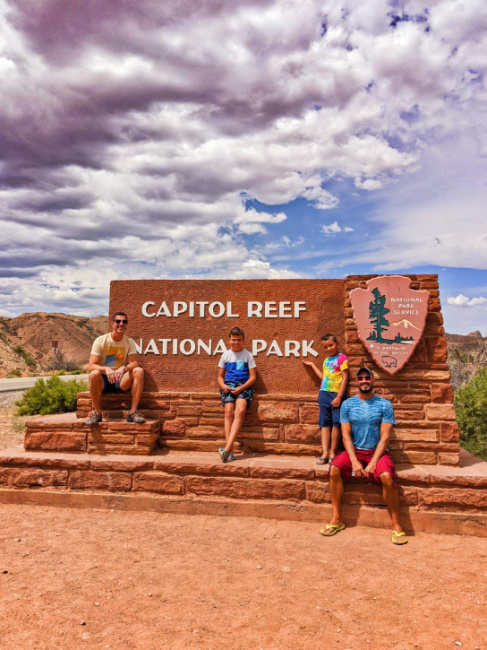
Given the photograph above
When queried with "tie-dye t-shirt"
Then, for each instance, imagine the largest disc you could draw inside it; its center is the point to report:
(113, 353)
(332, 372)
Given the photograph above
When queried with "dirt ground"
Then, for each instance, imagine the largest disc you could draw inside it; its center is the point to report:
(87, 579)
(107, 579)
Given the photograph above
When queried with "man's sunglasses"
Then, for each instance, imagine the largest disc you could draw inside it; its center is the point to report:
(364, 378)
(121, 320)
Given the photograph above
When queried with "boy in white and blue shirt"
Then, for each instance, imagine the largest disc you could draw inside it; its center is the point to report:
(236, 375)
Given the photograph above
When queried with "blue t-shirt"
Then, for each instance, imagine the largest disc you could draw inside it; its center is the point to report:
(365, 417)
(237, 365)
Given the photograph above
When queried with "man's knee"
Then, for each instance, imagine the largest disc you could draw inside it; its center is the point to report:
(386, 480)
(138, 373)
(95, 377)
(335, 473)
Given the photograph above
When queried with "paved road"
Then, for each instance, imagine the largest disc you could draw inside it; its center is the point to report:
(21, 383)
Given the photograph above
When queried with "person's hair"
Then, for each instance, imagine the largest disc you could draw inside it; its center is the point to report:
(327, 337)
(119, 313)
(236, 331)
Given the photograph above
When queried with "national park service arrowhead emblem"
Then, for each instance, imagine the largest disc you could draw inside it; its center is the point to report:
(390, 319)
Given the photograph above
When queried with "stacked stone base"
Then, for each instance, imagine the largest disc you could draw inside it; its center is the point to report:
(65, 432)
(432, 498)
(288, 424)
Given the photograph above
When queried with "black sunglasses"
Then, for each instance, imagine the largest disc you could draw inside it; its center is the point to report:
(121, 320)
(364, 378)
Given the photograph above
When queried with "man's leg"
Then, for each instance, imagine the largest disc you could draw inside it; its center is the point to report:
(96, 387)
(134, 380)
(336, 493)
(391, 498)
(238, 418)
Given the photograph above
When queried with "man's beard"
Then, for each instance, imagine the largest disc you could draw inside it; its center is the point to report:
(366, 390)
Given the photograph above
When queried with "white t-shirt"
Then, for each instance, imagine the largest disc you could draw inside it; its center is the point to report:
(237, 365)
(113, 353)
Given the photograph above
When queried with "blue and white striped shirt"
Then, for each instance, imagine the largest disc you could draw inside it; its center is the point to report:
(365, 417)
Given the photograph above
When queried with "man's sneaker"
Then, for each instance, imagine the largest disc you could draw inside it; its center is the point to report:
(135, 417)
(94, 419)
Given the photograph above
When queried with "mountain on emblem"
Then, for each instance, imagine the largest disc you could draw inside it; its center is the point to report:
(390, 319)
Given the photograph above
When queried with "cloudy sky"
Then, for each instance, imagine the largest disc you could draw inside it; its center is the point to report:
(241, 139)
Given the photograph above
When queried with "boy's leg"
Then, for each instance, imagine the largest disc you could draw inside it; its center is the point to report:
(229, 413)
(335, 441)
(325, 440)
(238, 418)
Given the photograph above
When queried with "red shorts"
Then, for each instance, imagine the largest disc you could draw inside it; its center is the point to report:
(384, 464)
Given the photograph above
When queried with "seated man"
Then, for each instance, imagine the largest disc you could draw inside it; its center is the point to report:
(367, 421)
(114, 368)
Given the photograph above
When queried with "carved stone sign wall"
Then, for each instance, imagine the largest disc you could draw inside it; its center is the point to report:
(390, 319)
(181, 328)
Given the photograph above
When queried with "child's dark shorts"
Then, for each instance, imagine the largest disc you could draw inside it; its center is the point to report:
(112, 388)
(229, 398)
(329, 416)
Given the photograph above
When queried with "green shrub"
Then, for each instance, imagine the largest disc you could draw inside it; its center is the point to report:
(471, 411)
(75, 372)
(30, 361)
(51, 396)
(14, 373)
(60, 372)
(18, 349)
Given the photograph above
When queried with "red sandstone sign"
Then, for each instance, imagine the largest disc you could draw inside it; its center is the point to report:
(390, 319)
(181, 328)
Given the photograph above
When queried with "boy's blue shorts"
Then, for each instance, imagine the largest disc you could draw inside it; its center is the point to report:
(229, 398)
(329, 416)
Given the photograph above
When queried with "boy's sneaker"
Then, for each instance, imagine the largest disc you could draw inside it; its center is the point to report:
(135, 417)
(94, 419)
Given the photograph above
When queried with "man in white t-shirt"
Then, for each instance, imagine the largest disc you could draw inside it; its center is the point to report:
(114, 368)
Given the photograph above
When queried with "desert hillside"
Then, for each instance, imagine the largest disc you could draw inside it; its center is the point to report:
(466, 355)
(25, 341)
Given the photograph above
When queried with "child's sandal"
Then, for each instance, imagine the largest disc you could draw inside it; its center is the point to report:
(226, 458)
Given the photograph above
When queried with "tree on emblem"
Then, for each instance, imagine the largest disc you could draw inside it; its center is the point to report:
(377, 316)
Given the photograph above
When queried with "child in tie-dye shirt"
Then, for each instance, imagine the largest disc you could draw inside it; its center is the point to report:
(334, 380)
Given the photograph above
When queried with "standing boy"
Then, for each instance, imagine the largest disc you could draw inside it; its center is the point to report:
(334, 376)
(114, 368)
(236, 375)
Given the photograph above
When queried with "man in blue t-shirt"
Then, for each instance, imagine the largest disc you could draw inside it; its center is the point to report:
(367, 421)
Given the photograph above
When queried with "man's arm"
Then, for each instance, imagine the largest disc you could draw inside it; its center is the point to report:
(385, 436)
(358, 470)
(132, 363)
(248, 383)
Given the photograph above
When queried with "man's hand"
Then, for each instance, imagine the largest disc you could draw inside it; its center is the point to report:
(113, 375)
(370, 469)
(357, 468)
(237, 390)
(225, 388)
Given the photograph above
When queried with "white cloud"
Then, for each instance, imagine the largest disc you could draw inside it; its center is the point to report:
(133, 134)
(463, 301)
